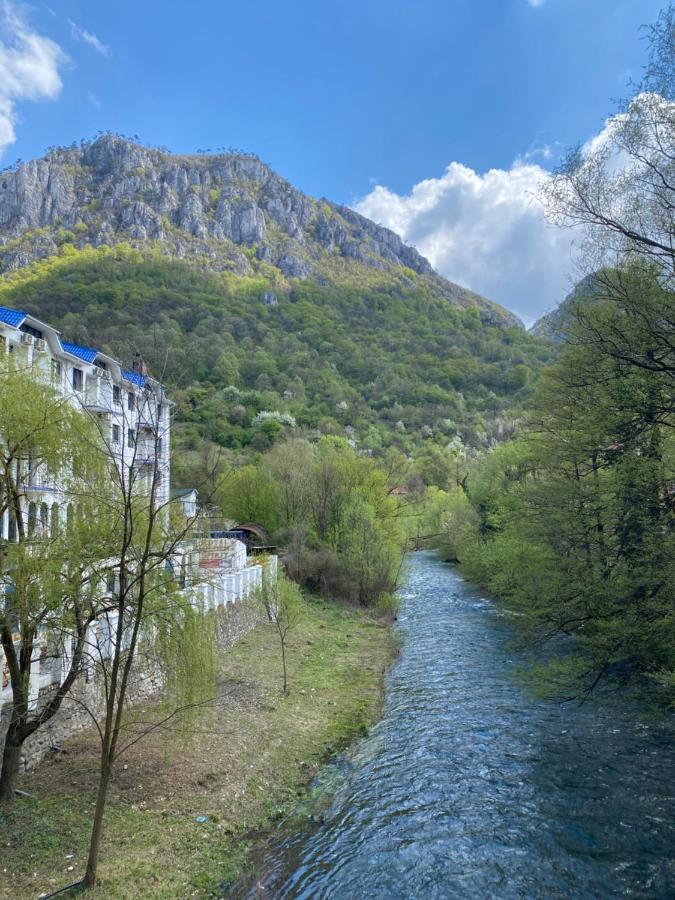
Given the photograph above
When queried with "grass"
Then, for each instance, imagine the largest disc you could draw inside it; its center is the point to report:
(245, 764)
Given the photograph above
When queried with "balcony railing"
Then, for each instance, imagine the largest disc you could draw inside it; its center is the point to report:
(40, 486)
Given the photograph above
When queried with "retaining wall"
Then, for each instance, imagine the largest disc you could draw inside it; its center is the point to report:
(237, 611)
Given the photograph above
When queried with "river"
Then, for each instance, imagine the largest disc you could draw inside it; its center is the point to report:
(471, 788)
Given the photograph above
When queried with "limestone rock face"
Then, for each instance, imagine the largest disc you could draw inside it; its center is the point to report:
(213, 207)
(115, 189)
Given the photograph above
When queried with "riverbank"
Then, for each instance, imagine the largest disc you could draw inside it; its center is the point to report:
(246, 764)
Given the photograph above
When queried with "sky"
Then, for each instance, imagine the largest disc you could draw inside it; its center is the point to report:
(437, 118)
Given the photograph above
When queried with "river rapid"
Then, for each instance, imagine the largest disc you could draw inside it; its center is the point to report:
(471, 788)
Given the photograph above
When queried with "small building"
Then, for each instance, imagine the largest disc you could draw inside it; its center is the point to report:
(398, 491)
(188, 499)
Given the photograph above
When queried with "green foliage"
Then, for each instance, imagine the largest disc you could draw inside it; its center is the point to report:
(331, 508)
(459, 526)
(363, 351)
(576, 518)
(185, 644)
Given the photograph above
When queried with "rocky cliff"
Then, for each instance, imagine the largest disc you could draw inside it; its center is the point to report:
(230, 210)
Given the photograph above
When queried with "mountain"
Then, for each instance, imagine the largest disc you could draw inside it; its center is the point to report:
(552, 324)
(230, 210)
(266, 312)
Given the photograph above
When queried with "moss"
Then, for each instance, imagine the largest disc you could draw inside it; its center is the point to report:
(247, 762)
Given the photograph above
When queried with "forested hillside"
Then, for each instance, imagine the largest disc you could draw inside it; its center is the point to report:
(375, 356)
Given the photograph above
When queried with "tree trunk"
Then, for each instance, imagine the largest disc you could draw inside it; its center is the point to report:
(283, 659)
(11, 760)
(89, 880)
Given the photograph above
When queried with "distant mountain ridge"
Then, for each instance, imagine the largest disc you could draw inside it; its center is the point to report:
(552, 324)
(231, 211)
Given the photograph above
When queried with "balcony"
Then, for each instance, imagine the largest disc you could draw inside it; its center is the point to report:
(98, 397)
(40, 487)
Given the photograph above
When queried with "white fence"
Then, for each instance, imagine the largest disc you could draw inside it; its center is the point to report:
(217, 574)
(223, 586)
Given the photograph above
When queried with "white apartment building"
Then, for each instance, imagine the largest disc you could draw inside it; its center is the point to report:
(133, 415)
(132, 409)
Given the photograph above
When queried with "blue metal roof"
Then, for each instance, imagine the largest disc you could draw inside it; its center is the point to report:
(134, 377)
(12, 316)
(86, 353)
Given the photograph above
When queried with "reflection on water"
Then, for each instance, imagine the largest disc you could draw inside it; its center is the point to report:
(471, 788)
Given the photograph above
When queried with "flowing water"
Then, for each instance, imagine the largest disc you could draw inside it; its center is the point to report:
(471, 788)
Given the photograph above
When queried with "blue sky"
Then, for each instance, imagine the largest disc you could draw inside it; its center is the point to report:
(339, 97)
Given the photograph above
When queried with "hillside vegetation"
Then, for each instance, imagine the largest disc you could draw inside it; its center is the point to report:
(375, 356)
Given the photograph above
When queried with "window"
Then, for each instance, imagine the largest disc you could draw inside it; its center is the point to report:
(12, 526)
(115, 434)
(130, 437)
(117, 395)
(159, 446)
(44, 518)
(32, 517)
(130, 401)
(56, 370)
(55, 519)
(78, 379)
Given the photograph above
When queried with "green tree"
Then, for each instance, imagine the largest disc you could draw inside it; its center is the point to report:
(250, 494)
(48, 576)
(149, 613)
(282, 601)
(576, 518)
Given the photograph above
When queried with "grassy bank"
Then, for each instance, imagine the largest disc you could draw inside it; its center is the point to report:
(249, 759)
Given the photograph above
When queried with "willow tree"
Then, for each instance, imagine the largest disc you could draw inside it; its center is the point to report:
(47, 566)
(154, 618)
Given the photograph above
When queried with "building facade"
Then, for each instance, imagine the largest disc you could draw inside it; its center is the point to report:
(130, 408)
(132, 415)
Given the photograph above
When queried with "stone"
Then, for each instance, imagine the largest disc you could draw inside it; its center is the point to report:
(202, 207)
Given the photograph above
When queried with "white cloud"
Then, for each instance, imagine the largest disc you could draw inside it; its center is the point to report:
(487, 232)
(547, 152)
(29, 68)
(81, 34)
